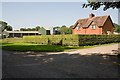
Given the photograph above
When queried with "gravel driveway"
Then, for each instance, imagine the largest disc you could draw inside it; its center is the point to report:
(75, 64)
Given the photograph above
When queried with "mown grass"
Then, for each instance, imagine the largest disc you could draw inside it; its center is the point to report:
(23, 47)
(15, 44)
(35, 47)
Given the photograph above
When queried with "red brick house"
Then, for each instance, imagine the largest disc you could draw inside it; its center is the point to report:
(94, 25)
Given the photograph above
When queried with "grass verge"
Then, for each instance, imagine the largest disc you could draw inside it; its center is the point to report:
(35, 47)
(23, 47)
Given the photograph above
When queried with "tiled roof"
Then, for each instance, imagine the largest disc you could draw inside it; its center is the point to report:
(98, 20)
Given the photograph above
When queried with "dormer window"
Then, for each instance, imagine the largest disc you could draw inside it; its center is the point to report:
(93, 26)
(78, 27)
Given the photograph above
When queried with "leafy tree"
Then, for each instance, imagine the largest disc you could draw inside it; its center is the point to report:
(71, 26)
(33, 29)
(95, 4)
(63, 29)
(28, 29)
(3, 26)
(22, 29)
(9, 28)
(117, 28)
(16, 30)
(69, 31)
(37, 28)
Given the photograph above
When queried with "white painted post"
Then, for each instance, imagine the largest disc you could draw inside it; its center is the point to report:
(21, 34)
(13, 34)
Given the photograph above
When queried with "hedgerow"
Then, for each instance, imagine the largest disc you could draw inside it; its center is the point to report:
(12, 40)
(36, 39)
(67, 40)
(70, 40)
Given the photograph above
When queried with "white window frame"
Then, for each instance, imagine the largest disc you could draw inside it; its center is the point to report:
(93, 26)
(78, 27)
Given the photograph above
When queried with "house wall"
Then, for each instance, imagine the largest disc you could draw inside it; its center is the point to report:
(108, 27)
(80, 31)
(98, 30)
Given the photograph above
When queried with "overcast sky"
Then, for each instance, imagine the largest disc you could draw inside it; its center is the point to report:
(48, 14)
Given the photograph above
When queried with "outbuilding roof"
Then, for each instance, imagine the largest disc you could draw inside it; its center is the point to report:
(22, 32)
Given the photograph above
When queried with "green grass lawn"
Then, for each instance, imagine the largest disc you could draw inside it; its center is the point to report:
(42, 48)
(36, 47)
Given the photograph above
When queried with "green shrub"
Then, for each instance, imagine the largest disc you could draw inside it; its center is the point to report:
(55, 39)
(70, 40)
(12, 40)
(85, 40)
(36, 39)
(66, 40)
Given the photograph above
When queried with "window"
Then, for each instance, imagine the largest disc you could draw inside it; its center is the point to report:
(93, 26)
(78, 27)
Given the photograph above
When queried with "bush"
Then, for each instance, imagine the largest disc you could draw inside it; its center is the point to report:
(70, 40)
(85, 40)
(12, 40)
(67, 40)
(36, 39)
(55, 39)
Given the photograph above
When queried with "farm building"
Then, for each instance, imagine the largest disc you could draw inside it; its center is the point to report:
(94, 25)
(10, 34)
(44, 31)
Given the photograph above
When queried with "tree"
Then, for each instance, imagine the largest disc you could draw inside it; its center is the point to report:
(22, 29)
(28, 29)
(33, 29)
(37, 28)
(117, 28)
(3, 26)
(95, 4)
(69, 31)
(9, 28)
(63, 29)
(71, 27)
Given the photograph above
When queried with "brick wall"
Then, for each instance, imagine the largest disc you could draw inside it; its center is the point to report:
(107, 27)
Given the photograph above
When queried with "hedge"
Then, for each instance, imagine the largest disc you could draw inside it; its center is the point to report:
(68, 40)
(71, 40)
(55, 39)
(12, 40)
(36, 39)
(85, 40)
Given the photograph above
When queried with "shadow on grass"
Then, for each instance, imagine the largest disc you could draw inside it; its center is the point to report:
(64, 65)
(35, 47)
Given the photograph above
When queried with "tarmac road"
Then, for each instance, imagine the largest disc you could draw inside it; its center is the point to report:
(64, 65)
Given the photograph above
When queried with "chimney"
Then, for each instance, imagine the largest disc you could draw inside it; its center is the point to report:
(91, 15)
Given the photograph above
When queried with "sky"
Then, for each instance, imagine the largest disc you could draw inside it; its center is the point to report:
(48, 14)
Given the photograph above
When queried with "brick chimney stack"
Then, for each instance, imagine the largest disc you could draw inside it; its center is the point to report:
(91, 15)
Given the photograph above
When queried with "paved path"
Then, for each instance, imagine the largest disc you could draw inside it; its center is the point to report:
(61, 64)
(107, 49)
